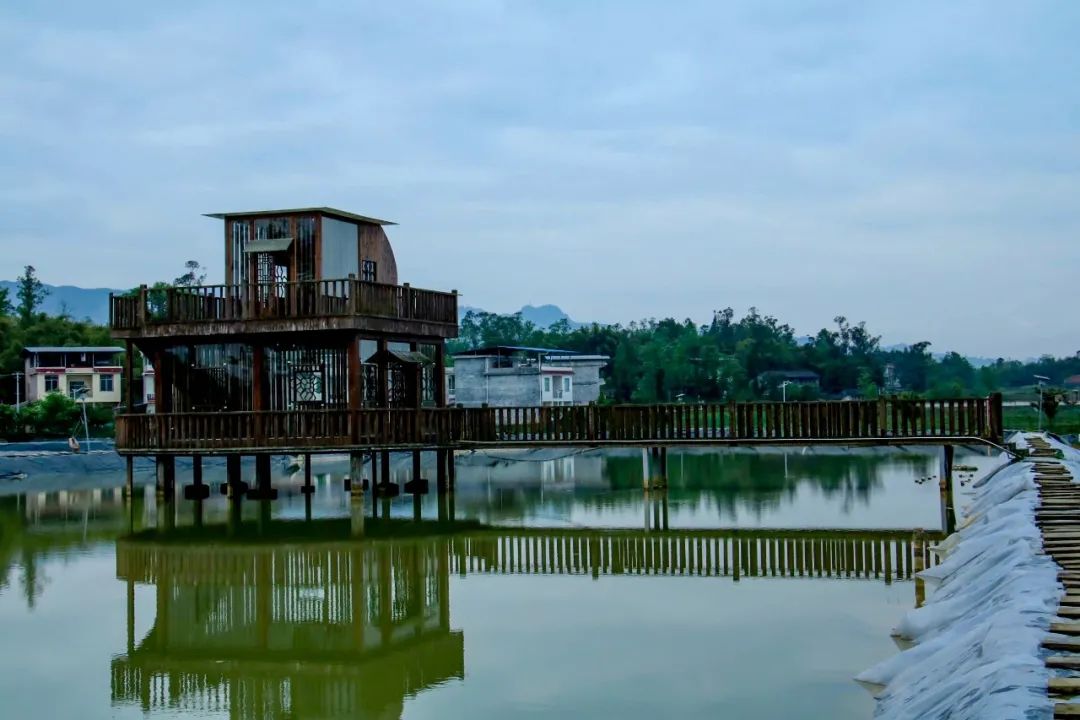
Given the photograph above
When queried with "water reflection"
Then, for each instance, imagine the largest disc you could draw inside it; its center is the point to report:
(325, 607)
(298, 618)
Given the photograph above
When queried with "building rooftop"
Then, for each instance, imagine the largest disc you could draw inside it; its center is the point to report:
(72, 349)
(332, 212)
(510, 349)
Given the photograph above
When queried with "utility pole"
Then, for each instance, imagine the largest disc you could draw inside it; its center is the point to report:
(18, 390)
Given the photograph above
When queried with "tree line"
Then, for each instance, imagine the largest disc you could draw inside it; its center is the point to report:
(731, 357)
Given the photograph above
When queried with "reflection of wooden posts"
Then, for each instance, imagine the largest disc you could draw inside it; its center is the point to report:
(356, 517)
(442, 572)
(919, 564)
(386, 593)
(263, 598)
(130, 616)
(359, 596)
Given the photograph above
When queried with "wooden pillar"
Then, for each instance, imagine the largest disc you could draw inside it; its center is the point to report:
(383, 372)
(129, 376)
(129, 477)
(441, 469)
(451, 470)
(163, 381)
(946, 486)
(166, 477)
(234, 486)
(260, 389)
(197, 490)
(308, 488)
(356, 474)
(355, 386)
(384, 470)
(263, 490)
(415, 392)
(440, 374)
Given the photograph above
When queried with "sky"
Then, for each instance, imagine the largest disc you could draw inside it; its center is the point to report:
(913, 165)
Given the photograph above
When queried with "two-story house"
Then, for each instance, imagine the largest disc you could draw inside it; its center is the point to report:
(505, 376)
(90, 373)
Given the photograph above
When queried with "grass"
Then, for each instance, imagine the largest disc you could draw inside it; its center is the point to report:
(1066, 421)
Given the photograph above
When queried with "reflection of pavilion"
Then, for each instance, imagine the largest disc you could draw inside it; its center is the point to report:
(307, 623)
(267, 631)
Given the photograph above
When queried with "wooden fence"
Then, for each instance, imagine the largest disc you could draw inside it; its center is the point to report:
(884, 420)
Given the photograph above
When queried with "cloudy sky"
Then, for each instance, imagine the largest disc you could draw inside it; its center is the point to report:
(912, 164)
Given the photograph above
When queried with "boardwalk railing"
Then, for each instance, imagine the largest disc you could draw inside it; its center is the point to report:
(884, 420)
(278, 301)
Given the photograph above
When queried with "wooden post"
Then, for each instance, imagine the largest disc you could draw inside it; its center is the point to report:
(233, 483)
(197, 490)
(308, 488)
(356, 474)
(440, 374)
(946, 485)
(383, 372)
(996, 418)
(355, 384)
(129, 477)
(260, 386)
(451, 470)
(166, 477)
(263, 490)
(440, 469)
(129, 376)
(384, 469)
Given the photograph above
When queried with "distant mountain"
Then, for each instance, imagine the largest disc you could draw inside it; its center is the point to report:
(79, 303)
(543, 316)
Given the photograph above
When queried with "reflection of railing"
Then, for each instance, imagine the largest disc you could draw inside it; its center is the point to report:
(278, 301)
(885, 419)
(732, 552)
(335, 628)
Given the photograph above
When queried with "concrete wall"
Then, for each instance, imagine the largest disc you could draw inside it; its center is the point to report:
(476, 384)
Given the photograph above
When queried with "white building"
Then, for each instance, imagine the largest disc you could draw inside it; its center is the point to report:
(509, 376)
(93, 373)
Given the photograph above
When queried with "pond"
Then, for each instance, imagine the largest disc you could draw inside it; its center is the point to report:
(547, 585)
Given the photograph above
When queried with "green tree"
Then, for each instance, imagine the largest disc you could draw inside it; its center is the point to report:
(5, 301)
(194, 275)
(30, 292)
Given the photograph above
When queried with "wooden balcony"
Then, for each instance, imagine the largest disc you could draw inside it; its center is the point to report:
(886, 421)
(348, 304)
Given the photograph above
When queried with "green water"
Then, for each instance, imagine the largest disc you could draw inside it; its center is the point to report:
(755, 587)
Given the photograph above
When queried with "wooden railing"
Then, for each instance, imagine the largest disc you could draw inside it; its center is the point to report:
(885, 420)
(279, 301)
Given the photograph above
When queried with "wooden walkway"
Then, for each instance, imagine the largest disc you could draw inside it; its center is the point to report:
(1058, 518)
(885, 421)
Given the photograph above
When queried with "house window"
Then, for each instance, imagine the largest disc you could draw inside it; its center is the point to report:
(368, 271)
(566, 384)
(547, 384)
(52, 383)
(76, 388)
(105, 383)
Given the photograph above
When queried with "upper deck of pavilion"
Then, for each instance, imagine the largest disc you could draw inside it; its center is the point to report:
(300, 269)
